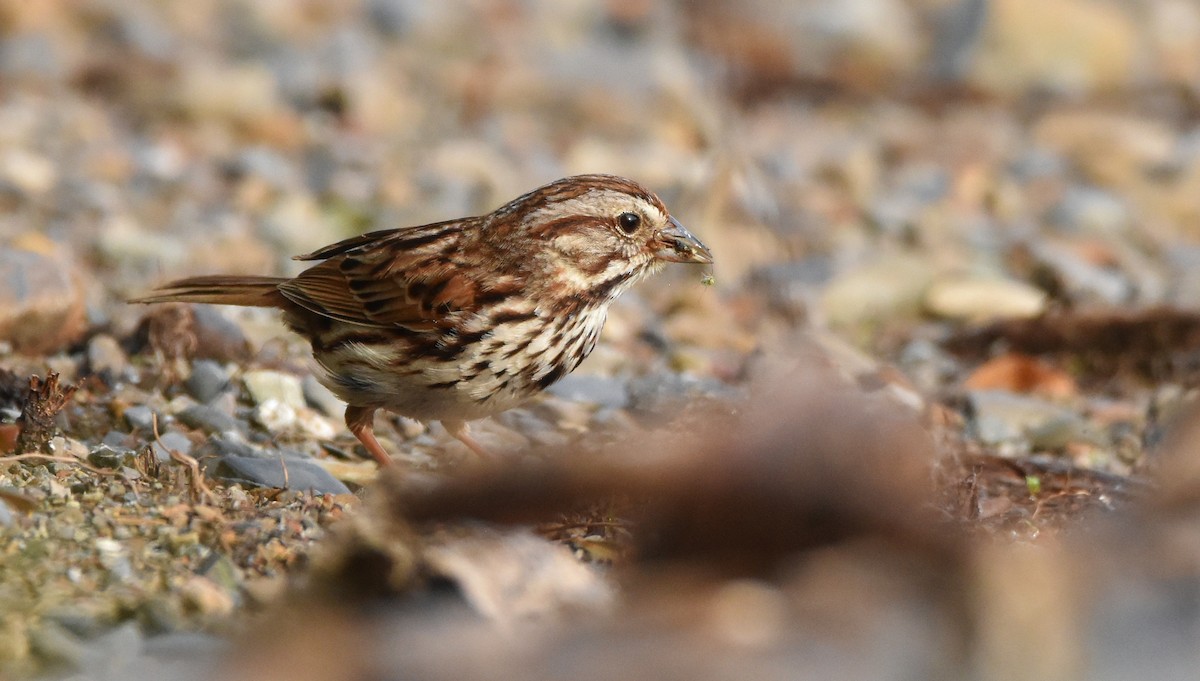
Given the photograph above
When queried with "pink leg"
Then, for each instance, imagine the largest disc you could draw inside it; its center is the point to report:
(361, 421)
(462, 433)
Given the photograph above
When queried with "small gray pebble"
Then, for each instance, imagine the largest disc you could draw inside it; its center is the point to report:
(208, 419)
(117, 440)
(172, 441)
(112, 458)
(140, 416)
(104, 355)
(270, 472)
(208, 380)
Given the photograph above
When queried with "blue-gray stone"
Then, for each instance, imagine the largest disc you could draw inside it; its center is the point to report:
(172, 441)
(141, 417)
(208, 380)
(281, 473)
(208, 419)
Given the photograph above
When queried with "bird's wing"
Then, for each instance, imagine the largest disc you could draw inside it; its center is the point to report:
(412, 277)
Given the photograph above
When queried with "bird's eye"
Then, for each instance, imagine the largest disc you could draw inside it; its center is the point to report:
(629, 222)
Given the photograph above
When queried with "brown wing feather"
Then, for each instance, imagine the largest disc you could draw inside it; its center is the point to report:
(399, 235)
(407, 277)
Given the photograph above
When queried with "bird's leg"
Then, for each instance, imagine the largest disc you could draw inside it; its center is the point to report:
(462, 433)
(361, 421)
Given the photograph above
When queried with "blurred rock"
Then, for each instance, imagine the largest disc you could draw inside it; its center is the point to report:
(1111, 149)
(280, 473)
(217, 337)
(322, 398)
(125, 243)
(105, 356)
(864, 44)
(1174, 30)
(1091, 210)
(171, 441)
(41, 298)
(140, 416)
(31, 173)
(230, 444)
(1061, 431)
(316, 425)
(959, 26)
(1084, 281)
(264, 385)
(979, 299)
(1023, 47)
(241, 93)
(208, 419)
(1006, 418)
(207, 380)
(111, 457)
(890, 287)
(275, 416)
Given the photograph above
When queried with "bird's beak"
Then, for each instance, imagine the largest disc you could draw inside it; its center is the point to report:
(676, 244)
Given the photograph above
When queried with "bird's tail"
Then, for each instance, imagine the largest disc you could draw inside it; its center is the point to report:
(220, 289)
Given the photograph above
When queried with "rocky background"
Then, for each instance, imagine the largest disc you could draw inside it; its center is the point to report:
(929, 417)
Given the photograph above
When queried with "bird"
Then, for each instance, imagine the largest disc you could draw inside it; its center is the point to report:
(463, 319)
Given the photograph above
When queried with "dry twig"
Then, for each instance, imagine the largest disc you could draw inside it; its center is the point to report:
(198, 489)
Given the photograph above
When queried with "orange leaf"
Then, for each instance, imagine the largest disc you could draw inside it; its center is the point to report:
(1022, 374)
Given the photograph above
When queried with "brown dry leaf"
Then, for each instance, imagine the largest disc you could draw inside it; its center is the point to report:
(1019, 373)
(17, 500)
(8, 437)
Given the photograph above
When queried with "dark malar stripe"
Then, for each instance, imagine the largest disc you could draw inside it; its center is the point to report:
(600, 292)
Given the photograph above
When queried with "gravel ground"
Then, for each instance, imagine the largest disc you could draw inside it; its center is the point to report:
(970, 225)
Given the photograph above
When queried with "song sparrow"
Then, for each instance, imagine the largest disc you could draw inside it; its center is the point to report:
(459, 320)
